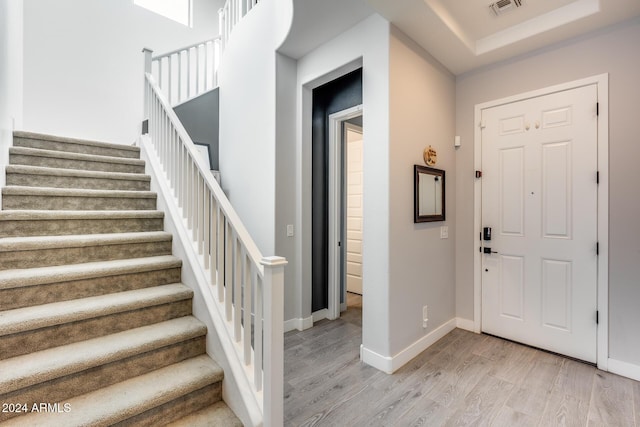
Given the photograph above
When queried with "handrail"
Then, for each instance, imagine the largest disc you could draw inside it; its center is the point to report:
(247, 288)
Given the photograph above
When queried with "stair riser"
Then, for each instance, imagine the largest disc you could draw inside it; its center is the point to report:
(67, 333)
(13, 202)
(67, 227)
(37, 180)
(66, 387)
(53, 162)
(176, 409)
(79, 255)
(74, 148)
(65, 291)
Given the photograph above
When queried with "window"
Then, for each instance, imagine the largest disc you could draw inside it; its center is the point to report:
(176, 10)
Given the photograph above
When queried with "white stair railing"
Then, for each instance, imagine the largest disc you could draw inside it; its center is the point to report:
(230, 14)
(247, 288)
(188, 72)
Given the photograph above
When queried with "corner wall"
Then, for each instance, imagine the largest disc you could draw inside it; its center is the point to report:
(613, 50)
(248, 115)
(422, 270)
(83, 66)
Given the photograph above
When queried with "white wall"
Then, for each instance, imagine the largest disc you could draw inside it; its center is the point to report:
(247, 79)
(83, 63)
(286, 181)
(422, 113)
(615, 51)
(11, 40)
(10, 76)
(366, 45)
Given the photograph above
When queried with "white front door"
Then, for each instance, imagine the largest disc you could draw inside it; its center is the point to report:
(354, 208)
(539, 196)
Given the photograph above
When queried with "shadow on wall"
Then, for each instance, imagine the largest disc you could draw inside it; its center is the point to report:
(201, 119)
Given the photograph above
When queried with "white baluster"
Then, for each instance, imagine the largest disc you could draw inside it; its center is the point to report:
(197, 71)
(247, 293)
(228, 270)
(214, 240)
(220, 263)
(206, 228)
(206, 67)
(257, 332)
(169, 77)
(237, 293)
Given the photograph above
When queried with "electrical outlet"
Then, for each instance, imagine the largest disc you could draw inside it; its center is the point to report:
(425, 316)
(444, 232)
(290, 230)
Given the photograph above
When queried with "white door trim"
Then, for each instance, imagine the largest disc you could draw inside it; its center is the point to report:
(602, 83)
(335, 203)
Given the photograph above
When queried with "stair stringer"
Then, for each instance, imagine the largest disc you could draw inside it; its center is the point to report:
(237, 392)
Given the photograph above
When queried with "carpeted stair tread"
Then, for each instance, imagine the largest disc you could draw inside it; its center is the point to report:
(74, 241)
(46, 365)
(31, 318)
(16, 223)
(40, 251)
(65, 273)
(71, 199)
(23, 138)
(76, 173)
(37, 152)
(37, 215)
(124, 400)
(76, 192)
(218, 414)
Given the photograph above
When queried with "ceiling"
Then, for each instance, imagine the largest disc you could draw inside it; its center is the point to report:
(461, 34)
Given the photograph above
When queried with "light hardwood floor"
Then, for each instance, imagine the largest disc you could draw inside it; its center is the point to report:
(463, 379)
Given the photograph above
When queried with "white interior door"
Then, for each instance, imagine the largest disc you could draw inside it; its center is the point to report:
(539, 196)
(354, 209)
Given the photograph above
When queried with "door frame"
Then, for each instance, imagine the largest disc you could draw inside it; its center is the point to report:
(335, 196)
(356, 129)
(602, 84)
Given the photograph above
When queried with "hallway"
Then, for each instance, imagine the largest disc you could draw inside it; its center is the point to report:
(464, 379)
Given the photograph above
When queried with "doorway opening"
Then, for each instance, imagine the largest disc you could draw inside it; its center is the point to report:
(335, 107)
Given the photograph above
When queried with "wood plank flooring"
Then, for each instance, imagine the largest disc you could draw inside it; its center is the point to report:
(463, 379)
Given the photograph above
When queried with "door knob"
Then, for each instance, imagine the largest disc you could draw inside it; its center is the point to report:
(487, 250)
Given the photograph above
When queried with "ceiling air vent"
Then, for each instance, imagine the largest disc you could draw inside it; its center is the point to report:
(502, 6)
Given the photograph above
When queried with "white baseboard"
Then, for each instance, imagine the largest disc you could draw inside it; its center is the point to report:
(391, 364)
(378, 361)
(466, 324)
(319, 315)
(625, 369)
(300, 324)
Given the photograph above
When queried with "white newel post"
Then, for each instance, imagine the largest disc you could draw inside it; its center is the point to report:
(147, 69)
(273, 286)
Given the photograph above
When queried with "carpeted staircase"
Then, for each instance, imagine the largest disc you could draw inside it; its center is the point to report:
(95, 326)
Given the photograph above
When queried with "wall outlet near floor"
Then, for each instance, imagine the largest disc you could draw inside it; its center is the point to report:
(444, 232)
(425, 316)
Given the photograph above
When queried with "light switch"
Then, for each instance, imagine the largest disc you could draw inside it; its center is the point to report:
(290, 230)
(444, 232)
